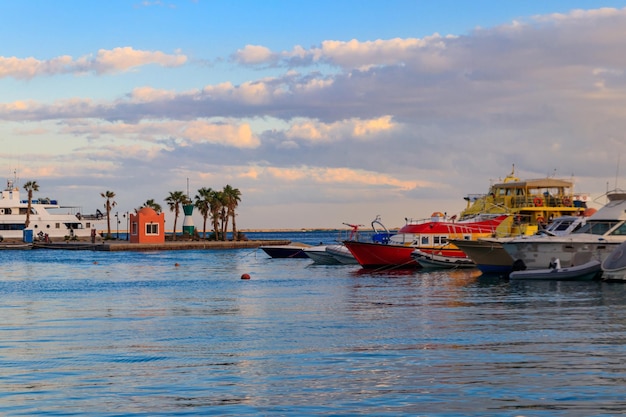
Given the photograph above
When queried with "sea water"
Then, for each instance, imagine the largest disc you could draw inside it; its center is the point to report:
(180, 333)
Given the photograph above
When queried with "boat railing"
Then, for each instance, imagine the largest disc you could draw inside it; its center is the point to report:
(541, 201)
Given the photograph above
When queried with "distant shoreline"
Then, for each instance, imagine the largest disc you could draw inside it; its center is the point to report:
(289, 230)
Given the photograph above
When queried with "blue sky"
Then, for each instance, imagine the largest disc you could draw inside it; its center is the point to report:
(319, 112)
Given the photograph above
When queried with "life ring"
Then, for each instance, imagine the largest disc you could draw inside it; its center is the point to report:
(437, 214)
(538, 202)
(567, 202)
(541, 220)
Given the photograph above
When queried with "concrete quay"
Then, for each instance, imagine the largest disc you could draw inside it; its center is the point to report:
(118, 246)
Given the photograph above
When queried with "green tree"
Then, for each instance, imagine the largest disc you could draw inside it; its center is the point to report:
(216, 210)
(175, 200)
(153, 205)
(30, 186)
(108, 205)
(232, 197)
(203, 204)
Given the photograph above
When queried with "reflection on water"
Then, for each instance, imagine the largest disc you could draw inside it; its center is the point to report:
(179, 333)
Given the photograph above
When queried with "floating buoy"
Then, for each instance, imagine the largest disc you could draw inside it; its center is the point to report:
(176, 264)
(95, 262)
(245, 276)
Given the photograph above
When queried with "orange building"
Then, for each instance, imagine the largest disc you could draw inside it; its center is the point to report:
(147, 226)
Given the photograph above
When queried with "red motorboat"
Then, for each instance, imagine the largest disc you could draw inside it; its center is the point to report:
(374, 255)
(430, 235)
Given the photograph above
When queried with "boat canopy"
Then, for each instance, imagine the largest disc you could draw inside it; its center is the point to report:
(537, 183)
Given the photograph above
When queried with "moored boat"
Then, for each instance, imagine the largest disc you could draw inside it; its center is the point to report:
(342, 254)
(614, 266)
(436, 260)
(44, 218)
(584, 272)
(320, 256)
(602, 233)
(292, 250)
(491, 258)
(429, 235)
(533, 203)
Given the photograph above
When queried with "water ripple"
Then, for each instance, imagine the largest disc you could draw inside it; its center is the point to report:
(112, 334)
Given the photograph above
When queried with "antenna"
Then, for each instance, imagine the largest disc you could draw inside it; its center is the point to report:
(617, 170)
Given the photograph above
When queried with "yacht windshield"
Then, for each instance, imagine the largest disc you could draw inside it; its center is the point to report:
(598, 227)
(620, 231)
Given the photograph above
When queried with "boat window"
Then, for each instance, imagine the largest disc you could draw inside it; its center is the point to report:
(467, 237)
(440, 240)
(620, 231)
(12, 226)
(597, 227)
(424, 241)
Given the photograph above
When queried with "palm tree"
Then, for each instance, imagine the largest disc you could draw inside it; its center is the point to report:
(223, 213)
(203, 204)
(30, 186)
(232, 197)
(153, 205)
(216, 209)
(109, 195)
(175, 200)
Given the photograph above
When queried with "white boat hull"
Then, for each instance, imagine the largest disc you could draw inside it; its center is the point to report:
(571, 252)
(429, 260)
(586, 272)
(320, 256)
(342, 254)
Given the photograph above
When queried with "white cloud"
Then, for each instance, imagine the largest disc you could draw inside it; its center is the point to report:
(106, 61)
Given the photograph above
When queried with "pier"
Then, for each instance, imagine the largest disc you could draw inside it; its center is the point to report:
(117, 246)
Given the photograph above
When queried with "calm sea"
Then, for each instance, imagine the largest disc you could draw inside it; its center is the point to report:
(179, 333)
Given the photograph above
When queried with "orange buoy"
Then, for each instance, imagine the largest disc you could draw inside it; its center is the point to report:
(245, 276)
(176, 264)
(588, 212)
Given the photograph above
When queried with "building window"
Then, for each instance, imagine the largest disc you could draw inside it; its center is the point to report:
(135, 229)
(57, 225)
(152, 229)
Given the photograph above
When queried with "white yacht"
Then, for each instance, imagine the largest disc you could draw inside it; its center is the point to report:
(44, 218)
(602, 233)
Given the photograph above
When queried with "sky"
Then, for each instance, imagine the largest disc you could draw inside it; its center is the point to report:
(319, 112)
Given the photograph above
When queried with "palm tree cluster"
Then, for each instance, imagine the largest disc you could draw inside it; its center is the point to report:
(219, 206)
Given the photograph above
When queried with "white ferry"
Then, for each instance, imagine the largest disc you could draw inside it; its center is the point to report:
(43, 220)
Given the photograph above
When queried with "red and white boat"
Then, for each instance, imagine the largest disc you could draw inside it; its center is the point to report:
(428, 235)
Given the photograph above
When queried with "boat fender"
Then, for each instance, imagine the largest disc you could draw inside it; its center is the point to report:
(555, 263)
(540, 220)
(537, 202)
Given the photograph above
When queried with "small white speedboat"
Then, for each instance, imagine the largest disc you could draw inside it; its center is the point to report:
(584, 272)
(433, 260)
(320, 256)
(342, 254)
